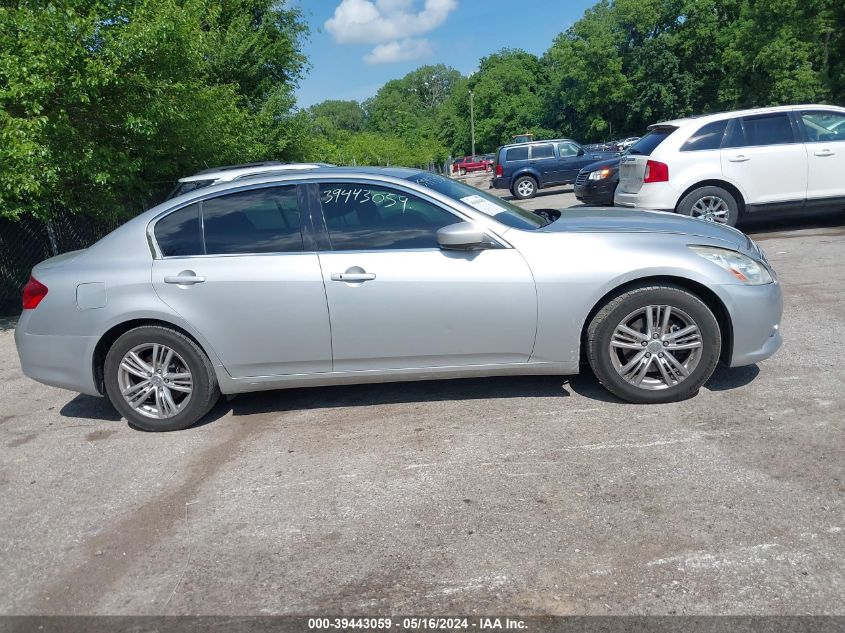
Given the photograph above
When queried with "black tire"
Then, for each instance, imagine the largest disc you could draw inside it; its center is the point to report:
(601, 331)
(527, 192)
(204, 394)
(688, 203)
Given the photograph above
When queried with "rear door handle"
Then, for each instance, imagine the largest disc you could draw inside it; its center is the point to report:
(824, 152)
(739, 159)
(184, 280)
(353, 276)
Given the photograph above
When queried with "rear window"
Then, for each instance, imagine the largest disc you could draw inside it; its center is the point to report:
(707, 137)
(516, 153)
(185, 187)
(543, 151)
(647, 144)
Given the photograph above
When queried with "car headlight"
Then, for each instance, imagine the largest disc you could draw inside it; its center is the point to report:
(742, 267)
(600, 174)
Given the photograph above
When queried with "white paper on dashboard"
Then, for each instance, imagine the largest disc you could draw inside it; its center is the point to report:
(483, 204)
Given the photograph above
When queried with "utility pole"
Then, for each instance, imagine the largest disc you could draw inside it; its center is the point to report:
(472, 122)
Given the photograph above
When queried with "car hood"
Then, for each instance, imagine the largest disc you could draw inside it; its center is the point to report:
(636, 221)
(613, 163)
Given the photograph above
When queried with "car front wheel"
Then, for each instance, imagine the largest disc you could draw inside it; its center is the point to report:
(710, 203)
(525, 187)
(654, 344)
(159, 379)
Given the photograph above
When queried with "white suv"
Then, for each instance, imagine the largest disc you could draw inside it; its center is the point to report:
(720, 166)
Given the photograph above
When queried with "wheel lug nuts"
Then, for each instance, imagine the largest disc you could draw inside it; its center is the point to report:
(660, 355)
(644, 343)
(654, 336)
(665, 343)
(648, 355)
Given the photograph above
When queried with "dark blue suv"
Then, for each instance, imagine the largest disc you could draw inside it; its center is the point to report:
(524, 168)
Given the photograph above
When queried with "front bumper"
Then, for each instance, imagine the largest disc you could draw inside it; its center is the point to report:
(755, 313)
(58, 361)
(596, 191)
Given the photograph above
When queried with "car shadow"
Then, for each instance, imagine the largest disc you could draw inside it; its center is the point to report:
(554, 191)
(305, 398)
(723, 379)
(762, 227)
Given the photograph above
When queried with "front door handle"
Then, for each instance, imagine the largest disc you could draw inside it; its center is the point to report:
(824, 152)
(353, 276)
(184, 279)
(739, 159)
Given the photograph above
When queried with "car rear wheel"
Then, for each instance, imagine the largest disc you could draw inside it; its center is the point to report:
(159, 379)
(710, 203)
(525, 187)
(654, 344)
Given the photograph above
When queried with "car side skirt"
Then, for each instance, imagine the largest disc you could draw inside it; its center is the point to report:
(229, 385)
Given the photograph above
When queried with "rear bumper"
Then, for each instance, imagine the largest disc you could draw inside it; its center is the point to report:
(654, 196)
(500, 182)
(755, 313)
(58, 361)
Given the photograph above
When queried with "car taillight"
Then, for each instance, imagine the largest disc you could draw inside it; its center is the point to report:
(33, 293)
(499, 170)
(656, 172)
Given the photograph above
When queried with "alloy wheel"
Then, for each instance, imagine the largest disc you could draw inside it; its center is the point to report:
(155, 381)
(525, 188)
(656, 347)
(711, 208)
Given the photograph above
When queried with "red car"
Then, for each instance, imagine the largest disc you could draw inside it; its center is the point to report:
(472, 163)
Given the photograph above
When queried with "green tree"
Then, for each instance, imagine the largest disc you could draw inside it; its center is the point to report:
(509, 90)
(104, 103)
(332, 116)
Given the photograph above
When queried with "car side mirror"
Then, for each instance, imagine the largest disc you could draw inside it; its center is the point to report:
(464, 236)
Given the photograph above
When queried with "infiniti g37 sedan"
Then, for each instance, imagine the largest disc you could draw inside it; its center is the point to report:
(337, 276)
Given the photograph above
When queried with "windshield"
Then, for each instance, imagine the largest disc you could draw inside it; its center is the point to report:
(647, 144)
(500, 210)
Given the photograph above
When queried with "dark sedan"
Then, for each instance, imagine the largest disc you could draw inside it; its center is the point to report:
(596, 182)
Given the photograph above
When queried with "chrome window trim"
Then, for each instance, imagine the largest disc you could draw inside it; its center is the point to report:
(309, 177)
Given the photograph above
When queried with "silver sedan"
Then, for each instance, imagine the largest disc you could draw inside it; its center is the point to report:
(339, 276)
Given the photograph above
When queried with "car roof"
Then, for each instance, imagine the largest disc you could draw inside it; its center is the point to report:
(235, 172)
(718, 116)
(546, 140)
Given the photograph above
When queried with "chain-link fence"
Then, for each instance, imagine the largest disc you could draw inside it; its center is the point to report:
(25, 242)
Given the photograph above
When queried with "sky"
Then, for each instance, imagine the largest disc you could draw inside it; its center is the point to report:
(356, 46)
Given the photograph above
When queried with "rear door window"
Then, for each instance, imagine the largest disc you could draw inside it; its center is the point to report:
(516, 153)
(543, 151)
(647, 144)
(264, 220)
(768, 129)
(707, 137)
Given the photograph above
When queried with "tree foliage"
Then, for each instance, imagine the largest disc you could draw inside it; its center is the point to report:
(104, 102)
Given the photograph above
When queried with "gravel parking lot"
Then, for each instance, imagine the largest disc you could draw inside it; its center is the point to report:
(534, 495)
